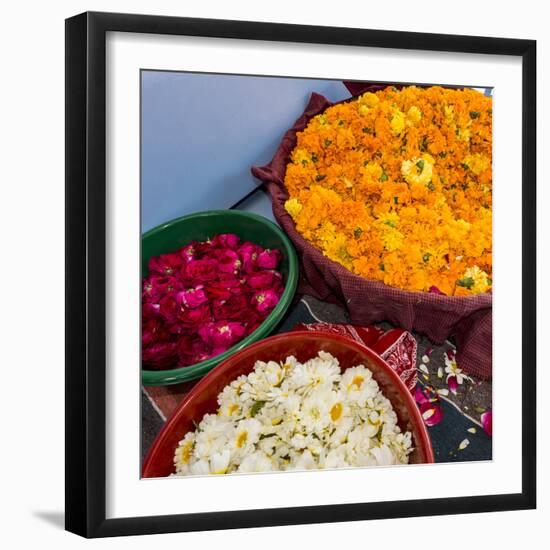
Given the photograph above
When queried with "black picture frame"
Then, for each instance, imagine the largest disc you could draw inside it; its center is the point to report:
(86, 284)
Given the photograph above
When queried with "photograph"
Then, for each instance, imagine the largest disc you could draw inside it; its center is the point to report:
(316, 273)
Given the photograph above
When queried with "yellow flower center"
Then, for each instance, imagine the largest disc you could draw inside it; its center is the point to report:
(336, 412)
(241, 439)
(185, 453)
(357, 381)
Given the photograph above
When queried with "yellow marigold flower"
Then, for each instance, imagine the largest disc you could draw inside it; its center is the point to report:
(414, 115)
(393, 239)
(369, 99)
(418, 170)
(301, 156)
(374, 170)
(397, 122)
(293, 207)
(464, 134)
(477, 163)
(475, 280)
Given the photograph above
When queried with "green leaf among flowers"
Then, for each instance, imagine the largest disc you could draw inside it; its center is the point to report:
(256, 407)
(466, 282)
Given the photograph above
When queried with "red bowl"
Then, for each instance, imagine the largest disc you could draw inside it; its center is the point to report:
(202, 399)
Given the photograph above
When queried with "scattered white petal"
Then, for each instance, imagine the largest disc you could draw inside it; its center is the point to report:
(425, 359)
(428, 413)
(440, 372)
(472, 430)
(424, 369)
(443, 391)
(463, 444)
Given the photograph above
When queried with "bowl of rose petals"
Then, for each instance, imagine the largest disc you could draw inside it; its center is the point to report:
(212, 283)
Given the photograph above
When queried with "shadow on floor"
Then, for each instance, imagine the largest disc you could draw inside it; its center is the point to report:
(57, 519)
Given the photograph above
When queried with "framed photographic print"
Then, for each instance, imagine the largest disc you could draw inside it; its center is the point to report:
(284, 248)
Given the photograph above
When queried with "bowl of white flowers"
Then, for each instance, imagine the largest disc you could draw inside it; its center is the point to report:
(294, 401)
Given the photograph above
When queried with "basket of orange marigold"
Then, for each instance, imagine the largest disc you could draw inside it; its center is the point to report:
(388, 200)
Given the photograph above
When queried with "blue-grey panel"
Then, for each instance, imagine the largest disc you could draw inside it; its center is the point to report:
(201, 133)
(259, 203)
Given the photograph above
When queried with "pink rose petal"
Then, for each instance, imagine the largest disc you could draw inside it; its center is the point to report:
(221, 334)
(154, 288)
(487, 422)
(165, 264)
(229, 262)
(435, 290)
(248, 253)
(420, 396)
(431, 413)
(452, 384)
(160, 355)
(200, 271)
(265, 300)
(263, 280)
(192, 297)
(226, 240)
(268, 259)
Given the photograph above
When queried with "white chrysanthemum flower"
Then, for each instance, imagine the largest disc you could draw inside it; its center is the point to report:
(229, 402)
(314, 373)
(314, 412)
(256, 462)
(359, 385)
(292, 415)
(212, 437)
(384, 456)
(184, 452)
(336, 458)
(245, 436)
(199, 467)
(341, 433)
(219, 462)
(304, 461)
(338, 407)
(238, 382)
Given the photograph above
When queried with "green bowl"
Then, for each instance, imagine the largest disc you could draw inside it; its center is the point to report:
(172, 235)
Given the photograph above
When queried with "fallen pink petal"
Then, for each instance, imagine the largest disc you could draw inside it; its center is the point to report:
(435, 290)
(431, 413)
(487, 422)
(453, 384)
(420, 396)
(451, 354)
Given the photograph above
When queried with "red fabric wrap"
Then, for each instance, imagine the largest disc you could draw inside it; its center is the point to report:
(468, 319)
